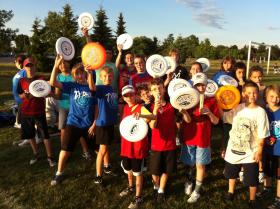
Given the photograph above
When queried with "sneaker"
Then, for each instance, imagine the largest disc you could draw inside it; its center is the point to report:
(253, 204)
(108, 170)
(17, 125)
(264, 193)
(35, 159)
(98, 180)
(241, 176)
(24, 143)
(126, 191)
(188, 188)
(87, 156)
(229, 196)
(160, 197)
(261, 177)
(51, 162)
(194, 197)
(275, 204)
(57, 180)
(136, 203)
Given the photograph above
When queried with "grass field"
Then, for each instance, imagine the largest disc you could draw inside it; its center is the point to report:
(28, 187)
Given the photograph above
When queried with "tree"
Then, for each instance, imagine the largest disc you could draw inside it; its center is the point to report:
(22, 43)
(120, 25)
(144, 45)
(167, 44)
(102, 32)
(6, 34)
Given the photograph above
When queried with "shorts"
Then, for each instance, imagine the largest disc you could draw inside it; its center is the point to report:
(62, 118)
(192, 155)
(104, 134)
(71, 136)
(251, 173)
(137, 166)
(271, 165)
(28, 130)
(163, 162)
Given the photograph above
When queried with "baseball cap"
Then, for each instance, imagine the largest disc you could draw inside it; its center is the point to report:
(127, 89)
(199, 78)
(28, 60)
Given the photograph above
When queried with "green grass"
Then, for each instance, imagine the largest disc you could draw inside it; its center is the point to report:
(25, 186)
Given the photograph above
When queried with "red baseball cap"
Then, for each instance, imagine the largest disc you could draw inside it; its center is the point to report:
(28, 61)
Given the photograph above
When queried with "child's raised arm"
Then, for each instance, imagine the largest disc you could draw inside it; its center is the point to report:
(53, 80)
(90, 81)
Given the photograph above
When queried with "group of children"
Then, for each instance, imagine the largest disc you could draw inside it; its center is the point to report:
(89, 112)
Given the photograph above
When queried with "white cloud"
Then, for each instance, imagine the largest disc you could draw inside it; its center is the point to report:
(271, 28)
(206, 12)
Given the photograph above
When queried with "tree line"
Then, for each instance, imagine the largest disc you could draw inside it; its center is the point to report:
(45, 32)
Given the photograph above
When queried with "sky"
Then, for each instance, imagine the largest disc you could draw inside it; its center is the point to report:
(226, 22)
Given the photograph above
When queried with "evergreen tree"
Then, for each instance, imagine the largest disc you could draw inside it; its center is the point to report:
(22, 43)
(120, 25)
(102, 32)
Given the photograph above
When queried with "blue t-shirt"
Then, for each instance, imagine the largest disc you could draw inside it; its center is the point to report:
(64, 101)
(20, 74)
(274, 127)
(217, 75)
(82, 101)
(107, 101)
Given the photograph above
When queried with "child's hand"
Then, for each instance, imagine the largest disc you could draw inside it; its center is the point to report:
(120, 47)
(272, 140)
(88, 68)
(205, 111)
(136, 115)
(58, 60)
(85, 32)
(258, 155)
(91, 130)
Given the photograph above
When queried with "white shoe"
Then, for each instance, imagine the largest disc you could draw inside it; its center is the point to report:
(17, 125)
(178, 143)
(194, 197)
(261, 177)
(188, 188)
(24, 143)
(241, 176)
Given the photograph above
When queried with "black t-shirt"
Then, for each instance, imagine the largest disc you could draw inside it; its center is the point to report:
(181, 72)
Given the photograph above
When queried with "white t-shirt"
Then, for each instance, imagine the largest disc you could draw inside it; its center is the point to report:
(248, 126)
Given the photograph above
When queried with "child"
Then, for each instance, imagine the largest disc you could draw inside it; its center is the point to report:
(256, 76)
(106, 117)
(144, 94)
(141, 77)
(272, 144)
(249, 129)
(195, 68)
(239, 73)
(81, 112)
(33, 113)
(163, 145)
(196, 128)
(133, 153)
(226, 68)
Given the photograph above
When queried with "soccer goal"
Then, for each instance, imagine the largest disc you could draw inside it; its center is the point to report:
(249, 55)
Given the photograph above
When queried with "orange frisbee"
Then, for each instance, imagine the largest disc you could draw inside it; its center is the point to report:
(94, 55)
(227, 97)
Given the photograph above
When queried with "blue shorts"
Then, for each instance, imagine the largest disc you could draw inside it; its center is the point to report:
(192, 155)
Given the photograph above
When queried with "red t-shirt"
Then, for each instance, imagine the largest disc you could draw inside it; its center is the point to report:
(125, 74)
(198, 131)
(164, 135)
(137, 150)
(140, 79)
(34, 106)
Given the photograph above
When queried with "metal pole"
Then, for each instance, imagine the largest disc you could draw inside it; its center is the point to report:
(248, 59)
(268, 59)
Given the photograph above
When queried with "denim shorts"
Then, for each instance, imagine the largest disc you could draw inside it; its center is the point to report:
(191, 155)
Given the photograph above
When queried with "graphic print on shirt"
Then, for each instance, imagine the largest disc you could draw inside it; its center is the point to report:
(241, 134)
(112, 99)
(82, 98)
(275, 129)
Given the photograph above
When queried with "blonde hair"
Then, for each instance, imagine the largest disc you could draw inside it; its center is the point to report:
(272, 87)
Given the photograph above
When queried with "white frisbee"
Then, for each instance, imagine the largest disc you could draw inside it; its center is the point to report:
(211, 88)
(226, 80)
(185, 98)
(125, 40)
(39, 88)
(86, 20)
(177, 83)
(205, 64)
(133, 130)
(171, 64)
(156, 65)
(65, 48)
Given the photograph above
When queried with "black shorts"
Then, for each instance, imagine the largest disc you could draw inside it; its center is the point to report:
(71, 136)
(163, 162)
(137, 166)
(251, 173)
(271, 165)
(104, 134)
(28, 127)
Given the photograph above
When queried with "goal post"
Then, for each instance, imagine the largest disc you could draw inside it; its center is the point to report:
(249, 56)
